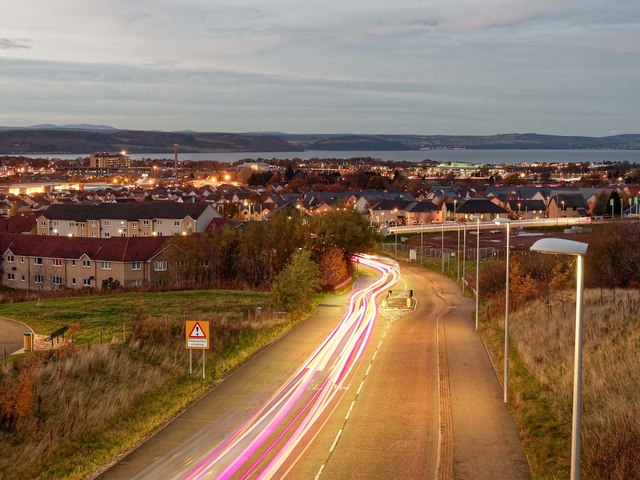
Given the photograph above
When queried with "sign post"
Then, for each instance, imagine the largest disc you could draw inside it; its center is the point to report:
(197, 337)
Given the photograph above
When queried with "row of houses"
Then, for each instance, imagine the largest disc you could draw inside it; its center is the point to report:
(33, 262)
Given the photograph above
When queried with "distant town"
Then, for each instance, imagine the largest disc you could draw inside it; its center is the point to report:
(115, 216)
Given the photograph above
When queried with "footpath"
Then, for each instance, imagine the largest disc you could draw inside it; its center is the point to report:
(481, 439)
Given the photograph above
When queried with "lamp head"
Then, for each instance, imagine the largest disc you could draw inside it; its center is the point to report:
(501, 221)
(559, 246)
(474, 217)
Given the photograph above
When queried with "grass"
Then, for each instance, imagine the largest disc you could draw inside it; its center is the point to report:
(66, 413)
(541, 380)
(109, 312)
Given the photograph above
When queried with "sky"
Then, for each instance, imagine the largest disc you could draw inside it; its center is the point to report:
(566, 67)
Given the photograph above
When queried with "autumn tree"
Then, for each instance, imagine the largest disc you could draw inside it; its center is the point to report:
(294, 288)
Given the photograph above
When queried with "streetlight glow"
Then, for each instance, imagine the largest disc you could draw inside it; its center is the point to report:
(558, 246)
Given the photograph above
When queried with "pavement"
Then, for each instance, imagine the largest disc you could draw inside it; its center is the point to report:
(11, 335)
(485, 440)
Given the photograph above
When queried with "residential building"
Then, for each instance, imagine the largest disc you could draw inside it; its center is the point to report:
(106, 220)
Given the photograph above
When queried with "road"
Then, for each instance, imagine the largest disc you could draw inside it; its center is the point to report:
(372, 402)
(254, 420)
(11, 335)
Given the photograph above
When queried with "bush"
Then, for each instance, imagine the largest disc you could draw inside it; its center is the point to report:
(293, 289)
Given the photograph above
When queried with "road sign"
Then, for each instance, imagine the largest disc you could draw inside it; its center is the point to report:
(197, 334)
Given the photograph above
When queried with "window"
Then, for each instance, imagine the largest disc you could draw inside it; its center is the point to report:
(188, 224)
(86, 263)
(43, 224)
(145, 234)
(72, 224)
(21, 259)
(106, 223)
(73, 263)
(159, 222)
(10, 258)
(93, 234)
(160, 266)
(136, 283)
(176, 223)
(57, 280)
(122, 223)
(145, 223)
(11, 276)
(54, 223)
(83, 226)
(73, 281)
(106, 266)
(136, 265)
(93, 223)
(23, 278)
(37, 261)
(134, 224)
(86, 282)
(56, 262)
(38, 279)
(107, 234)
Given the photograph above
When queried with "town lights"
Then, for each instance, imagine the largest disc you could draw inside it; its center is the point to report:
(559, 246)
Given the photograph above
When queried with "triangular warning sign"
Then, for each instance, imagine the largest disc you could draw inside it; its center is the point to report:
(197, 332)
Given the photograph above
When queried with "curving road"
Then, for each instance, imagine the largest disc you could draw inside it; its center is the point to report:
(11, 335)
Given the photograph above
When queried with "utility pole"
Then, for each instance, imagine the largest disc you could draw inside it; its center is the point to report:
(175, 159)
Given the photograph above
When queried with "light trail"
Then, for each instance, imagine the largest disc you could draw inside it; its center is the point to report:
(261, 446)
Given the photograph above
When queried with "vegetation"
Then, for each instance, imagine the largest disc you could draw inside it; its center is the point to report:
(65, 412)
(541, 379)
(294, 288)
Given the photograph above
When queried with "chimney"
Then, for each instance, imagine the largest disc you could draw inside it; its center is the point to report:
(175, 158)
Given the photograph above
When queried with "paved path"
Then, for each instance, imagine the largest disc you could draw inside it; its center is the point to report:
(486, 445)
(11, 335)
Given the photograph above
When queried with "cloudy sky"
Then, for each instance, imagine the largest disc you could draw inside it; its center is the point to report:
(361, 66)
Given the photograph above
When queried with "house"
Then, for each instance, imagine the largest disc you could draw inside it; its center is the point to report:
(567, 205)
(527, 209)
(34, 262)
(481, 207)
(106, 220)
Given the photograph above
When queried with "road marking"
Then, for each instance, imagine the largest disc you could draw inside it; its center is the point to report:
(368, 370)
(335, 442)
(379, 344)
(319, 472)
(374, 355)
(360, 387)
(350, 408)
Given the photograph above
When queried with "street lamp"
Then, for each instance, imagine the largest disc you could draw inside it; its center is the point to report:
(442, 249)
(507, 222)
(477, 219)
(464, 254)
(559, 246)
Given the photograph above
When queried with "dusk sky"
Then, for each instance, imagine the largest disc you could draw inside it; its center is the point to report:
(569, 67)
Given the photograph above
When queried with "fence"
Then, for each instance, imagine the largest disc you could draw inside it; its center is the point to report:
(486, 253)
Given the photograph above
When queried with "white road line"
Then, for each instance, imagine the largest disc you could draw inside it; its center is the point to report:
(379, 344)
(368, 370)
(350, 409)
(360, 387)
(335, 442)
(319, 472)
(374, 355)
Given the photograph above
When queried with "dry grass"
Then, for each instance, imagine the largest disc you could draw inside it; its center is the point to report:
(65, 413)
(543, 341)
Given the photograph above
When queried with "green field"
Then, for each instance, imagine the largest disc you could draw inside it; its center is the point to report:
(109, 312)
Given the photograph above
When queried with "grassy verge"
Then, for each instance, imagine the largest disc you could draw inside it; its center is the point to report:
(541, 380)
(64, 414)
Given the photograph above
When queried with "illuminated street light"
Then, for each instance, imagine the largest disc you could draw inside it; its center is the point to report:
(507, 222)
(559, 246)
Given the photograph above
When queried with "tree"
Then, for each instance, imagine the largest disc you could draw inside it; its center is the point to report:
(294, 288)
(347, 230)
(333, 267)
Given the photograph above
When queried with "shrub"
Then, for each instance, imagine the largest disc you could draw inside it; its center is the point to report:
(293, 289)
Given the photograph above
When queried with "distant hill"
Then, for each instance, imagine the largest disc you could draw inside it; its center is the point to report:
(509, 141)
(87, 138)
(357, 142)
(85, 141)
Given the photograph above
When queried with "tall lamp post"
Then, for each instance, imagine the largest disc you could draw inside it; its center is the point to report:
(464, 254)
(477, 219)
(507, 222)
(442, 249)
(559, 246)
